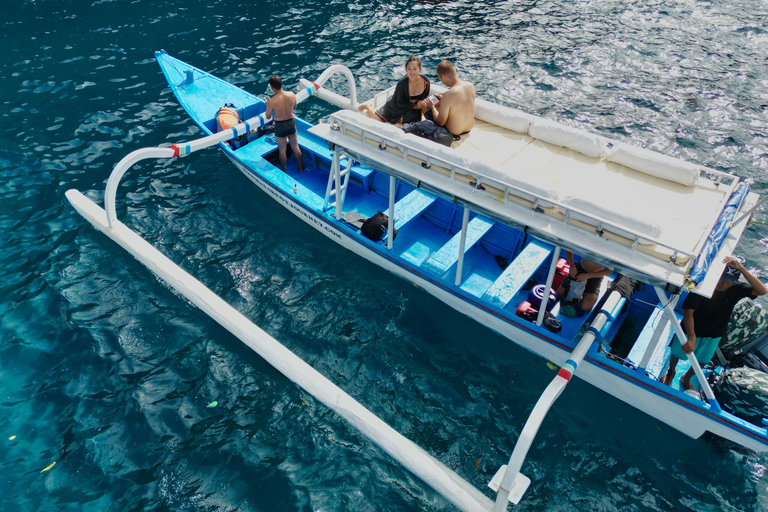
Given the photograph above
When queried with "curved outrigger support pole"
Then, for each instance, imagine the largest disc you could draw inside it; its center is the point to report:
(330, 96)
(310, 89)
(508, 481)
(444, 480)
(175, 150)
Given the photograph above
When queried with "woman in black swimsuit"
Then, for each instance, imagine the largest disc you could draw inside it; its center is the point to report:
(407, 101)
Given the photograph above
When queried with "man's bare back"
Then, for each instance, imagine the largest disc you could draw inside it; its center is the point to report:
(457, 104)
(281, 105)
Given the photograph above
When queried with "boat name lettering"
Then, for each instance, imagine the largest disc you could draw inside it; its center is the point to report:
(293, 206)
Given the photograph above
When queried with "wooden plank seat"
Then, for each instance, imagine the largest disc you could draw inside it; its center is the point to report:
(448, 255)
(411, 207)
(512, 280)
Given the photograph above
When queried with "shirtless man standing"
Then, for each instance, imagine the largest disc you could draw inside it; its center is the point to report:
(281, 105)
(457, 104)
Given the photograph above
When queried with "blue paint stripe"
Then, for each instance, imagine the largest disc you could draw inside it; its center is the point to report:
(596, 334)
(611, 318)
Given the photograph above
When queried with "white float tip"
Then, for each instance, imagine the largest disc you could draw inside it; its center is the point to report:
(519, 485)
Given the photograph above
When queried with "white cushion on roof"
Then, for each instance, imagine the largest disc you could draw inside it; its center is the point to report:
(613, 209)
(655, 164)
(373, 126)
(509, 118)
(482, 169)
(561, 135)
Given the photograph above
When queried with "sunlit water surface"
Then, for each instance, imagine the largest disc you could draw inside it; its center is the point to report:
(109, 373)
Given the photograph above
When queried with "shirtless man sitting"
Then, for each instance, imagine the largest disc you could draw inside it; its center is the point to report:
(457, 104)
(281, 106)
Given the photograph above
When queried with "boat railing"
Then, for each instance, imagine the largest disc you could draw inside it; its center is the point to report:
(475, 180)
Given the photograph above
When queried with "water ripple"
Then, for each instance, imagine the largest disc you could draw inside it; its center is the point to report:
(106, 372)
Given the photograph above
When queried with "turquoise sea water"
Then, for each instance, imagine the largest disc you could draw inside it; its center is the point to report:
(107, 372)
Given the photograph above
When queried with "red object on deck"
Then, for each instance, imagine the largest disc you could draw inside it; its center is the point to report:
(561, 272)
(526, 311)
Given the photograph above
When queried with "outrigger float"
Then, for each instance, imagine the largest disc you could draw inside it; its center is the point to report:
(518, 189)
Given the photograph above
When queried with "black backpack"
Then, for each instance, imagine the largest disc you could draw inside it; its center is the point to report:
(374, 228)
(429, 130)
(552, 323)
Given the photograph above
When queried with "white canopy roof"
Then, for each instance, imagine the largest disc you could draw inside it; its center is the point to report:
(636, 211)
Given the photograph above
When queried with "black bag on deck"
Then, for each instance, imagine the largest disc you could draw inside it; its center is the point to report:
(374, 228)
(429, 130)
(552, 323)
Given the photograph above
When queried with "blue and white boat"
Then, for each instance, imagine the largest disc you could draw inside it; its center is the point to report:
(518, 189)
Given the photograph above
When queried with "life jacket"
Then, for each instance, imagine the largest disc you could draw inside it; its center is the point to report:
(227, 117)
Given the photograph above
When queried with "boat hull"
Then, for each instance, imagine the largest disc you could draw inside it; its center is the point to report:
(682, 412)
(686, 414)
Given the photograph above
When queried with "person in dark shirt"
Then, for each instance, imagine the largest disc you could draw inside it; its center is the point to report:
(705, 321)
(408, 100)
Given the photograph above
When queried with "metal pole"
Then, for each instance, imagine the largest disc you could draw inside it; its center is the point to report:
(462, 242)
(691, 357)
(391, 221)
(550, 278)
(337, 185)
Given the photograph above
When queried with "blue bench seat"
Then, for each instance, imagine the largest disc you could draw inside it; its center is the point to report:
(411, 207)
(512, 280)
(363, 173)
(658, 361)
(448, 255)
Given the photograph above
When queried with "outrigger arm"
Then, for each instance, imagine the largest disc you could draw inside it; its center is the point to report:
(444, 480)
(508, 481)
(243, 128)
(330, 96)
